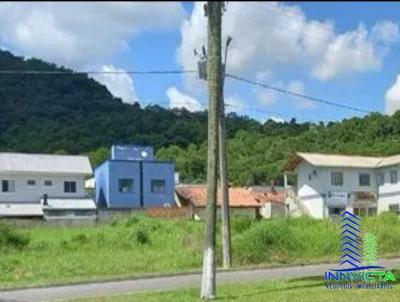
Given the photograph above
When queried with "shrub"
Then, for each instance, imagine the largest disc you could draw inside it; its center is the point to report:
(9, 238)
(142, 236)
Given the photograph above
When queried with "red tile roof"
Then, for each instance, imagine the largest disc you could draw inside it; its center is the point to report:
(238, 196)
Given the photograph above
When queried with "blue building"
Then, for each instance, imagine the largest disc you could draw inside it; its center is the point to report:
(133, 179)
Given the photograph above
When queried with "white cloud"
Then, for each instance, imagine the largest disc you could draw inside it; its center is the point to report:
(297, 86)
(392, 97)
(271, 35)
(266, 97)
(357, 51)
(84, 35)
(178, 99)
(119, 84)
(234, 103)
(81, 34)
(277, 119)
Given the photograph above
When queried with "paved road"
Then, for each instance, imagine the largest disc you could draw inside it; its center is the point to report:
(167, 283)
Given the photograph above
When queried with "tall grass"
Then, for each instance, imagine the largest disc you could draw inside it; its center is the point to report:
(139, 245)
(286, 240)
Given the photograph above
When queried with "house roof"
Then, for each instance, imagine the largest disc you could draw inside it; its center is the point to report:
(44, 163)
(69, 204)
(336, 160)
(389, 161)
(238, 197)
(20, 209)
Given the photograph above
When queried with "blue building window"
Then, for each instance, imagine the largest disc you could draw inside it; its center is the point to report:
(125, 185)
(158, 186)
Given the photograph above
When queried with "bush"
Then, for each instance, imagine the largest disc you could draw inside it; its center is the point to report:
(142, 236)
(9, 238)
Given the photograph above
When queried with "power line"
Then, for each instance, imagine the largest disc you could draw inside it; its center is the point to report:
(307, 97)
(57, 72)
(158, 72)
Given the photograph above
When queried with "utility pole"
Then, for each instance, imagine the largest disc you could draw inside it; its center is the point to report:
(214, 74)
(223, 174)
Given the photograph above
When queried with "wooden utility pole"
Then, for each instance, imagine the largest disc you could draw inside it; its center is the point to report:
(214, 76)
(223, 175)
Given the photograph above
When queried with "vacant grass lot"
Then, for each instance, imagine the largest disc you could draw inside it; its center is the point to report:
(141, 245)
(299, 290)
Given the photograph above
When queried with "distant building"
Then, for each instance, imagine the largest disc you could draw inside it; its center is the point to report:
(132, 179)
(253, 202)
(328, 184)
(35, 185)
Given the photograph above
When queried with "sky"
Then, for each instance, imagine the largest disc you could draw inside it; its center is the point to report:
(344, 52)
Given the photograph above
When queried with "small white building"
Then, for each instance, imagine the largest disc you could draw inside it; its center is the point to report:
(327, 184)
(44, 185)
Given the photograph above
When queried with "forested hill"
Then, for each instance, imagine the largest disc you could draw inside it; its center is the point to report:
(72, 113)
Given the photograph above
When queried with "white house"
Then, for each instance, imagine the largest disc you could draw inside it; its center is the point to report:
(44, 185)
(328, 184)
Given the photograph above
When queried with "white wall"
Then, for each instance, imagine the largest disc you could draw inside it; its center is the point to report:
(25, 193)
(388, 193)
(310, 191)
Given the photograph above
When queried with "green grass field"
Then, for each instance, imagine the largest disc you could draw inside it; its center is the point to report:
(140, 246)
(298, 290)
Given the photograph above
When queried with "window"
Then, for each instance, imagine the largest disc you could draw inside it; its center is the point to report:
(309, 177)
(364, 211)
(31, 182)
(364, 179)
(393, 177)
(48, 183)
(8, 186)
(125, 185)
(337, 178)
(381, 179)
(157, 186)
(394, 207)
(69, 187)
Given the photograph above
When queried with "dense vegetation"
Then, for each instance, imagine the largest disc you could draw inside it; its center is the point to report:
(140, 245)
(257, 156)
(72, 113)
